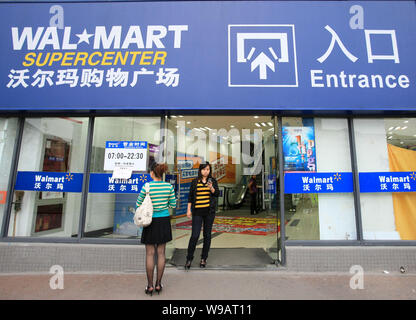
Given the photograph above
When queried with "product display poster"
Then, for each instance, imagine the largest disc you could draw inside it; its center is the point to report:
(126, 154)
(299, 148)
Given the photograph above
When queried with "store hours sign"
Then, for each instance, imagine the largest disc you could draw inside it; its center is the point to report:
(126, 154)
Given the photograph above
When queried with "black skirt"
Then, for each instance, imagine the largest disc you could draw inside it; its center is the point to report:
(158, 232)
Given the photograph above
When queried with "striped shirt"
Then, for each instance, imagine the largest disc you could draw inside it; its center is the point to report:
(203, 195)
(162, 196)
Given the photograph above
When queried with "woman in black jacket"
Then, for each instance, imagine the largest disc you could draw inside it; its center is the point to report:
(202, 202)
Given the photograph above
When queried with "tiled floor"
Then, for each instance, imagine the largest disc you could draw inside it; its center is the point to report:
(304, 223)
(300, 225)
(266, 242)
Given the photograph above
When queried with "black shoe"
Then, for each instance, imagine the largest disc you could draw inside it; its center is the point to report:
(149, 290)
(188, 264)
(158, 290)
(203, 263)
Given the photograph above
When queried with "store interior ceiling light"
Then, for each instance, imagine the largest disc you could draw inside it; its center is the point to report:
(257, 124)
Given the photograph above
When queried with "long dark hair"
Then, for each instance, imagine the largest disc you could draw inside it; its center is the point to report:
(203, 166)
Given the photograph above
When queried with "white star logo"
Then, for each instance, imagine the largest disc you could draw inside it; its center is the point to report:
(84, 37)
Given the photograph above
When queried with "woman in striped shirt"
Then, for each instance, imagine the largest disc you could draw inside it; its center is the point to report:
(159, 231)
(202, 202)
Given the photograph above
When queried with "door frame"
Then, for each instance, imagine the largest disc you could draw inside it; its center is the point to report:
(278, 153)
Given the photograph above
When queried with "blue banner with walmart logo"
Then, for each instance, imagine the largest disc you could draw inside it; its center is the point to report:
(318, 182)
(277, 55)
(49, 181)
(387, 181)
(105, 183)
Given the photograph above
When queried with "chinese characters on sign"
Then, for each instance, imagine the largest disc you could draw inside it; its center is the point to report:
(343, 182)
(126, 154)
(49, 181)
(104, 183)
(318, 182)
(91, 77)
(363, 80)
(387, 181)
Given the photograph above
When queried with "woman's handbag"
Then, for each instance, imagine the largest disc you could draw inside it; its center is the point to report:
(144, 213)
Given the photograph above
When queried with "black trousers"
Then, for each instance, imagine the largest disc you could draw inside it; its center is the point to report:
(253, 203)
(197, 222)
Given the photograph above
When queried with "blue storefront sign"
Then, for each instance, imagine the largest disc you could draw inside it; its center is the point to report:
(314, 182)
(49, 181)
(104, 183)
(308, 55)
(387, 181)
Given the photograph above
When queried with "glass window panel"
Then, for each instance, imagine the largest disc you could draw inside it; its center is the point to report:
(51, 160)
(8, 132)
(318, 146)
(388, 199)
(110, 212)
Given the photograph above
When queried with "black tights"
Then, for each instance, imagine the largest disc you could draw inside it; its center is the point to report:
(151, 249)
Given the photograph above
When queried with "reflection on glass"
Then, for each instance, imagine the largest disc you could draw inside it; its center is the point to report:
(8, 130)
(109, 213)
(388, 145)
(317, 145)
(49, 145)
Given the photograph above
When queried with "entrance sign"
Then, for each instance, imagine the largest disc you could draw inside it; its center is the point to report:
(125, 154)
(266, 49)
(290, 55)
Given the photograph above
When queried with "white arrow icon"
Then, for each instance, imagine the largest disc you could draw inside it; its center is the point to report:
(262, 62)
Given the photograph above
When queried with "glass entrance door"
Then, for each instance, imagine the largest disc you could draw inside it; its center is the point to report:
(242, 154)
